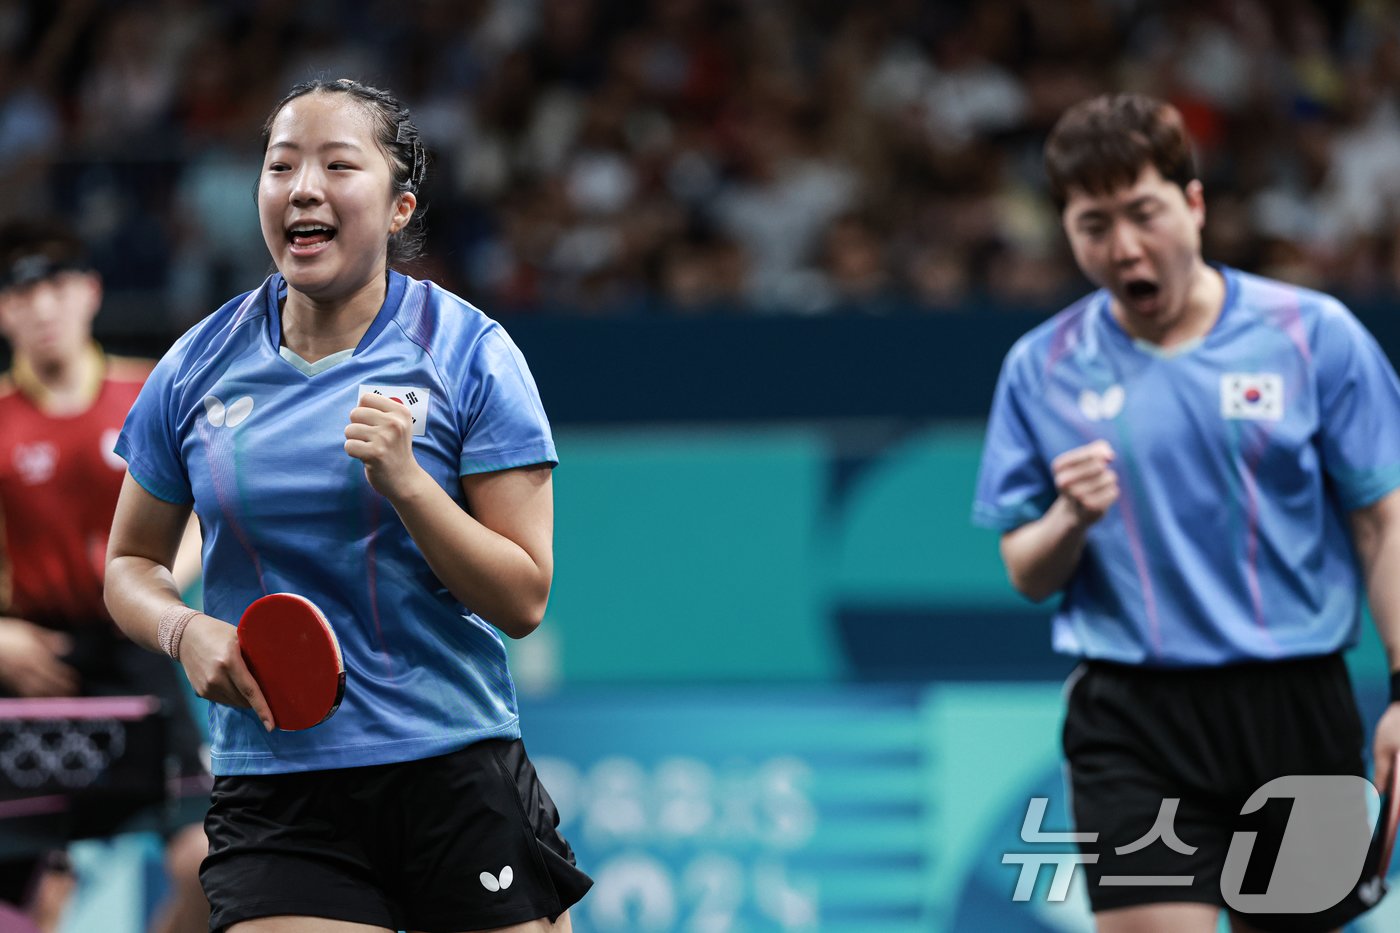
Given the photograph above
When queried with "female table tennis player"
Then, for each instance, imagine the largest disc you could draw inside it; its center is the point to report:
(376, 445)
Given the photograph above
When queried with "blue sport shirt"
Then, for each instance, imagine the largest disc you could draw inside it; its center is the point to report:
(1238, 458)
(256, 441)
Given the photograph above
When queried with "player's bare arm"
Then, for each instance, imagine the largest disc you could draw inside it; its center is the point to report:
(1376, 532)
(146, 534)
(497, 556)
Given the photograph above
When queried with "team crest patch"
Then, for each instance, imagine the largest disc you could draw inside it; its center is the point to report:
(415, 397)
(1103, 407)
(1252, 396)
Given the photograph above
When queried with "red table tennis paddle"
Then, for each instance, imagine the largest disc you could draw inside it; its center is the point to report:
(294, 656)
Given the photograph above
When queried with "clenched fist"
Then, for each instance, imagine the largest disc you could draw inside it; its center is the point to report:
(380, 435)
(1086, 481)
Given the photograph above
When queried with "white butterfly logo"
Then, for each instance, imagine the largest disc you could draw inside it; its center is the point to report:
(492, 883)
(1104, 407)
(232, 416)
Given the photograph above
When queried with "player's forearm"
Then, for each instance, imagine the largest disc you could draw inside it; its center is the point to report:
(486, 571)
(138, 590)
(1376, 534)
(1383, 595)
(1041, 556)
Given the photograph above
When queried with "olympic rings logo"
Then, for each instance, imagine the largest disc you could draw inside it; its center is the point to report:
(66, 752)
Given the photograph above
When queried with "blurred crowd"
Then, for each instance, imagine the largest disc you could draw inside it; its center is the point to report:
(709, 156)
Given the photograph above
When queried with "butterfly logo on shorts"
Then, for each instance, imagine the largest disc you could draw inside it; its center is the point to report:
(493, 883)
(1103, 407)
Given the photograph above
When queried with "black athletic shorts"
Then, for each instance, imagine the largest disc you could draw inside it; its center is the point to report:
(463, 841)
(1209, 737)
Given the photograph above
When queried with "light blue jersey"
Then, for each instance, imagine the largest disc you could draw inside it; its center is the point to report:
(255, 440)
(1238, 458)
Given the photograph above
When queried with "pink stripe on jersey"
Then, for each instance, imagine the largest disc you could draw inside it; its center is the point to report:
(1135, 544)
(418, 324)
(218, 447)
(371, 577)
(1250, 459)
(1060, 341)
(1290, 319)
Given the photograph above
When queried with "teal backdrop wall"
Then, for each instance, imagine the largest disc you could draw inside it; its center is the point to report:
(784, 553)
(789, 553)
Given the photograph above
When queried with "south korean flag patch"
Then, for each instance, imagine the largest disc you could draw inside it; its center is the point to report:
(415, 397)
(1252, 396)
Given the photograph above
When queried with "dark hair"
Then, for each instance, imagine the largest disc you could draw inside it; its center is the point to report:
(33, 250)
(397, 137)
(1104, 143)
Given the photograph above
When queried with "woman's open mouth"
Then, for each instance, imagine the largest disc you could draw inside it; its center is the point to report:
(309, 239)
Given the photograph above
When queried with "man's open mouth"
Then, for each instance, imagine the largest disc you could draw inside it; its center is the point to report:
(1141, 288)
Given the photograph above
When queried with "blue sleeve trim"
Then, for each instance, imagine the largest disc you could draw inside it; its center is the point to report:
(1006, 519)
(492, 460)
(1362, 489)
(144, 476)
